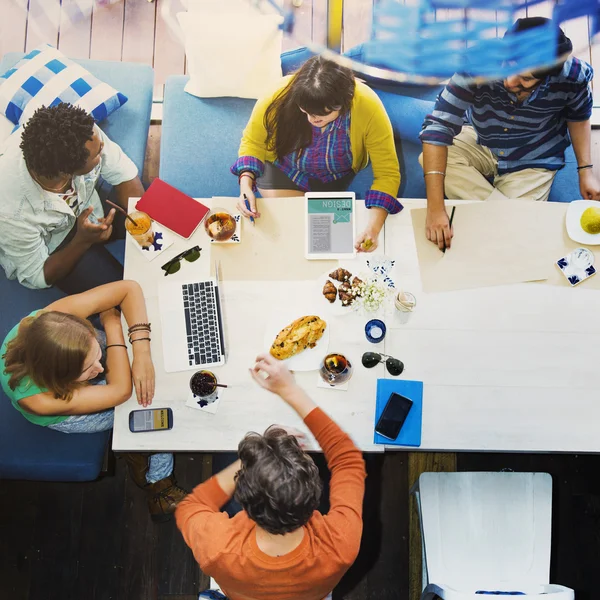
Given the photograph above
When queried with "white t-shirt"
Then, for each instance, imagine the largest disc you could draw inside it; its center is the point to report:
(33, 221)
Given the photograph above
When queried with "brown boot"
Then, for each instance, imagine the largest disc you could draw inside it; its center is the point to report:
(138, 467)
(163, 498)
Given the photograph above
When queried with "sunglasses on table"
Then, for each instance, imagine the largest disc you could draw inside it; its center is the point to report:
(191, 255)
(393, 365)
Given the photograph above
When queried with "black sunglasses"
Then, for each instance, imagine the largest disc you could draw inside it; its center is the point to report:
(174, 264)
(393, 365)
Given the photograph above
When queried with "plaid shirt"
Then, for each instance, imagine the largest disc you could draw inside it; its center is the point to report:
(328, 158)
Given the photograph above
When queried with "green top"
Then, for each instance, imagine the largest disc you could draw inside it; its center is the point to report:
(25, 388)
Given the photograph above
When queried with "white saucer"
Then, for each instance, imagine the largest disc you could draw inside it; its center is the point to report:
(573, 222)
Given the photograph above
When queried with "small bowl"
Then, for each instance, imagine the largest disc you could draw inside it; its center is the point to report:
(371, 330)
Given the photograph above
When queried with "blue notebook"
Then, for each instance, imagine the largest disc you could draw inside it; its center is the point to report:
(410, 434)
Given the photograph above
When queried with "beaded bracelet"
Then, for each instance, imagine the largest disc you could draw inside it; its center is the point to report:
(147, 326)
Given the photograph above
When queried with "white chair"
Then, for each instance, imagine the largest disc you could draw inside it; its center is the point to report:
(486, 532)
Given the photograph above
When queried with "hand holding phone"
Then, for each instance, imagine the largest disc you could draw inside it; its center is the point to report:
(393, 416)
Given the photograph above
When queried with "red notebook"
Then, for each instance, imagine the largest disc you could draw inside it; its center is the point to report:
(172, 208)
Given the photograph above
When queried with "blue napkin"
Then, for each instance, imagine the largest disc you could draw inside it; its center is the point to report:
(410, 434)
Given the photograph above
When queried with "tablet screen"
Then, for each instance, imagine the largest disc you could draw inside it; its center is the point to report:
(330, 225)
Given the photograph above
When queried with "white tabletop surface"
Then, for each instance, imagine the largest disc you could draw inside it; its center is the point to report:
(505, 368)
(248, 307)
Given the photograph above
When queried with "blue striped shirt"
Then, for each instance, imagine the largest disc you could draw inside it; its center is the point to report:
(521, 135)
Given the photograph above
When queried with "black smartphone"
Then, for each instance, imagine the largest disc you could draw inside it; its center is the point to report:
(393, 416)
(151, 419)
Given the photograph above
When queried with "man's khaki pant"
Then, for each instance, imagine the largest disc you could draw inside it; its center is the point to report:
(471, 165)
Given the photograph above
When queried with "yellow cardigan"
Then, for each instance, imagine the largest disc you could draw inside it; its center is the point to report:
(371, 136)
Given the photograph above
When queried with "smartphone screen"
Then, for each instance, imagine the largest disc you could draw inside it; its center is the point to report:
(153, 419)
(393, 416)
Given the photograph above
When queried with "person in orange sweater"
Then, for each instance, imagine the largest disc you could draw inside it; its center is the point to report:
(279, 547)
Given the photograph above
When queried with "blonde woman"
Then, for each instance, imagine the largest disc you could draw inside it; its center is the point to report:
(60, 372)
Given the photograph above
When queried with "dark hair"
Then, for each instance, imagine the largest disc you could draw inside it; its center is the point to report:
(53, 139)
(563, 43)
(50, 348)
(319, 87)
(278, 484)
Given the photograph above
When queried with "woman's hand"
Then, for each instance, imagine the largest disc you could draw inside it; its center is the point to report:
(247, 193)
(367, 241)
(142, 371)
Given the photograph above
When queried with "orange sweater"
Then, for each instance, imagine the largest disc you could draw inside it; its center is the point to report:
(226, 549)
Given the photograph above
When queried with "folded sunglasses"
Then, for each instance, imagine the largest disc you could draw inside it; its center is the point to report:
(393, 365)
(191, 255)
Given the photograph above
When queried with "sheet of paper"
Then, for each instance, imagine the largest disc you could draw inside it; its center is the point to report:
(495, 243)
(273, 248)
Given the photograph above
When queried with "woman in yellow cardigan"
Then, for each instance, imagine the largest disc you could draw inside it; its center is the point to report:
(314, 134)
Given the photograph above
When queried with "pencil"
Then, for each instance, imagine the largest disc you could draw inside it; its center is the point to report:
(450, 226)
(247, 203)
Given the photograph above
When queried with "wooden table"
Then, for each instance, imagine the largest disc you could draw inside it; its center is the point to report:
(507, 368)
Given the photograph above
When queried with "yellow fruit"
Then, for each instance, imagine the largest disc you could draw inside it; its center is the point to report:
(590, 220)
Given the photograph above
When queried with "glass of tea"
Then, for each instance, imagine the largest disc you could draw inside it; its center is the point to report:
(219, 224)
(141, 231)
(335, 369)
(204, 386)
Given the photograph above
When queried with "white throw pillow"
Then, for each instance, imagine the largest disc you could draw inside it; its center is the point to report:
(231, 53)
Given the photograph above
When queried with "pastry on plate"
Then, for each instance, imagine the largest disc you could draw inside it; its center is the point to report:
(346, 293)
(303, 333)
(329, 291)
(340, 274)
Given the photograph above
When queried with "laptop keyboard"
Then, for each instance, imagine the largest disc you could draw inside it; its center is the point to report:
(201, 323)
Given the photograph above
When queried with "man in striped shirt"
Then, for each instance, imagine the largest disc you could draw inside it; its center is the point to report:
(507, 138)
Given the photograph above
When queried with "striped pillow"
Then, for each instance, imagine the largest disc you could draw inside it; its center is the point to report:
(46, 77)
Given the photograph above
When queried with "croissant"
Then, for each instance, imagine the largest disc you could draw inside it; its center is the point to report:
(356, 283)
(329, 291)
(340, 274)
(347, 298)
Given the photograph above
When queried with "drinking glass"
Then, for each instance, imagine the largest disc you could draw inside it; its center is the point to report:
(219, 224)
(204, 386)
(141, 232)
(335, 369)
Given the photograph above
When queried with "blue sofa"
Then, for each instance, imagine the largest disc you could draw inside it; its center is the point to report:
(200, 137)
(28, 451)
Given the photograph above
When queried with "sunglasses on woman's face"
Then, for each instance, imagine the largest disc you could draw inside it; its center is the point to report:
(393, 365)
(175, 263)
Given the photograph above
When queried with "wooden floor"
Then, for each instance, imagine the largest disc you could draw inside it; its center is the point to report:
(95, 541)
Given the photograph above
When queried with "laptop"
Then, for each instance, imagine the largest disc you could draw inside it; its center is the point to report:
(192, 324)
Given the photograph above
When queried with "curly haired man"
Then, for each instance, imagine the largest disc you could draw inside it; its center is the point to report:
(279, 546)
(52, 223)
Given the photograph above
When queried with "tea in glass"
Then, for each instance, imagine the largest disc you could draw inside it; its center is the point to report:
(219, 224)
(335, 369)
(141, 232)
(204, 385)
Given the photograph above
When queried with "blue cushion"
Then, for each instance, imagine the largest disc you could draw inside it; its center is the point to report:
(200, 139)
(20, 87)
(28, 451)
(129, 125)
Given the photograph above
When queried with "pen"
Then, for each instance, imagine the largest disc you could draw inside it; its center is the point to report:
(450, 226)
(247, 203)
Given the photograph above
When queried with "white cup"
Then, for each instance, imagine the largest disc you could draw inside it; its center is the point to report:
(405, 303)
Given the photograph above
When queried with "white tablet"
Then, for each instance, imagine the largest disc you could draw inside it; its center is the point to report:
(330, 225)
